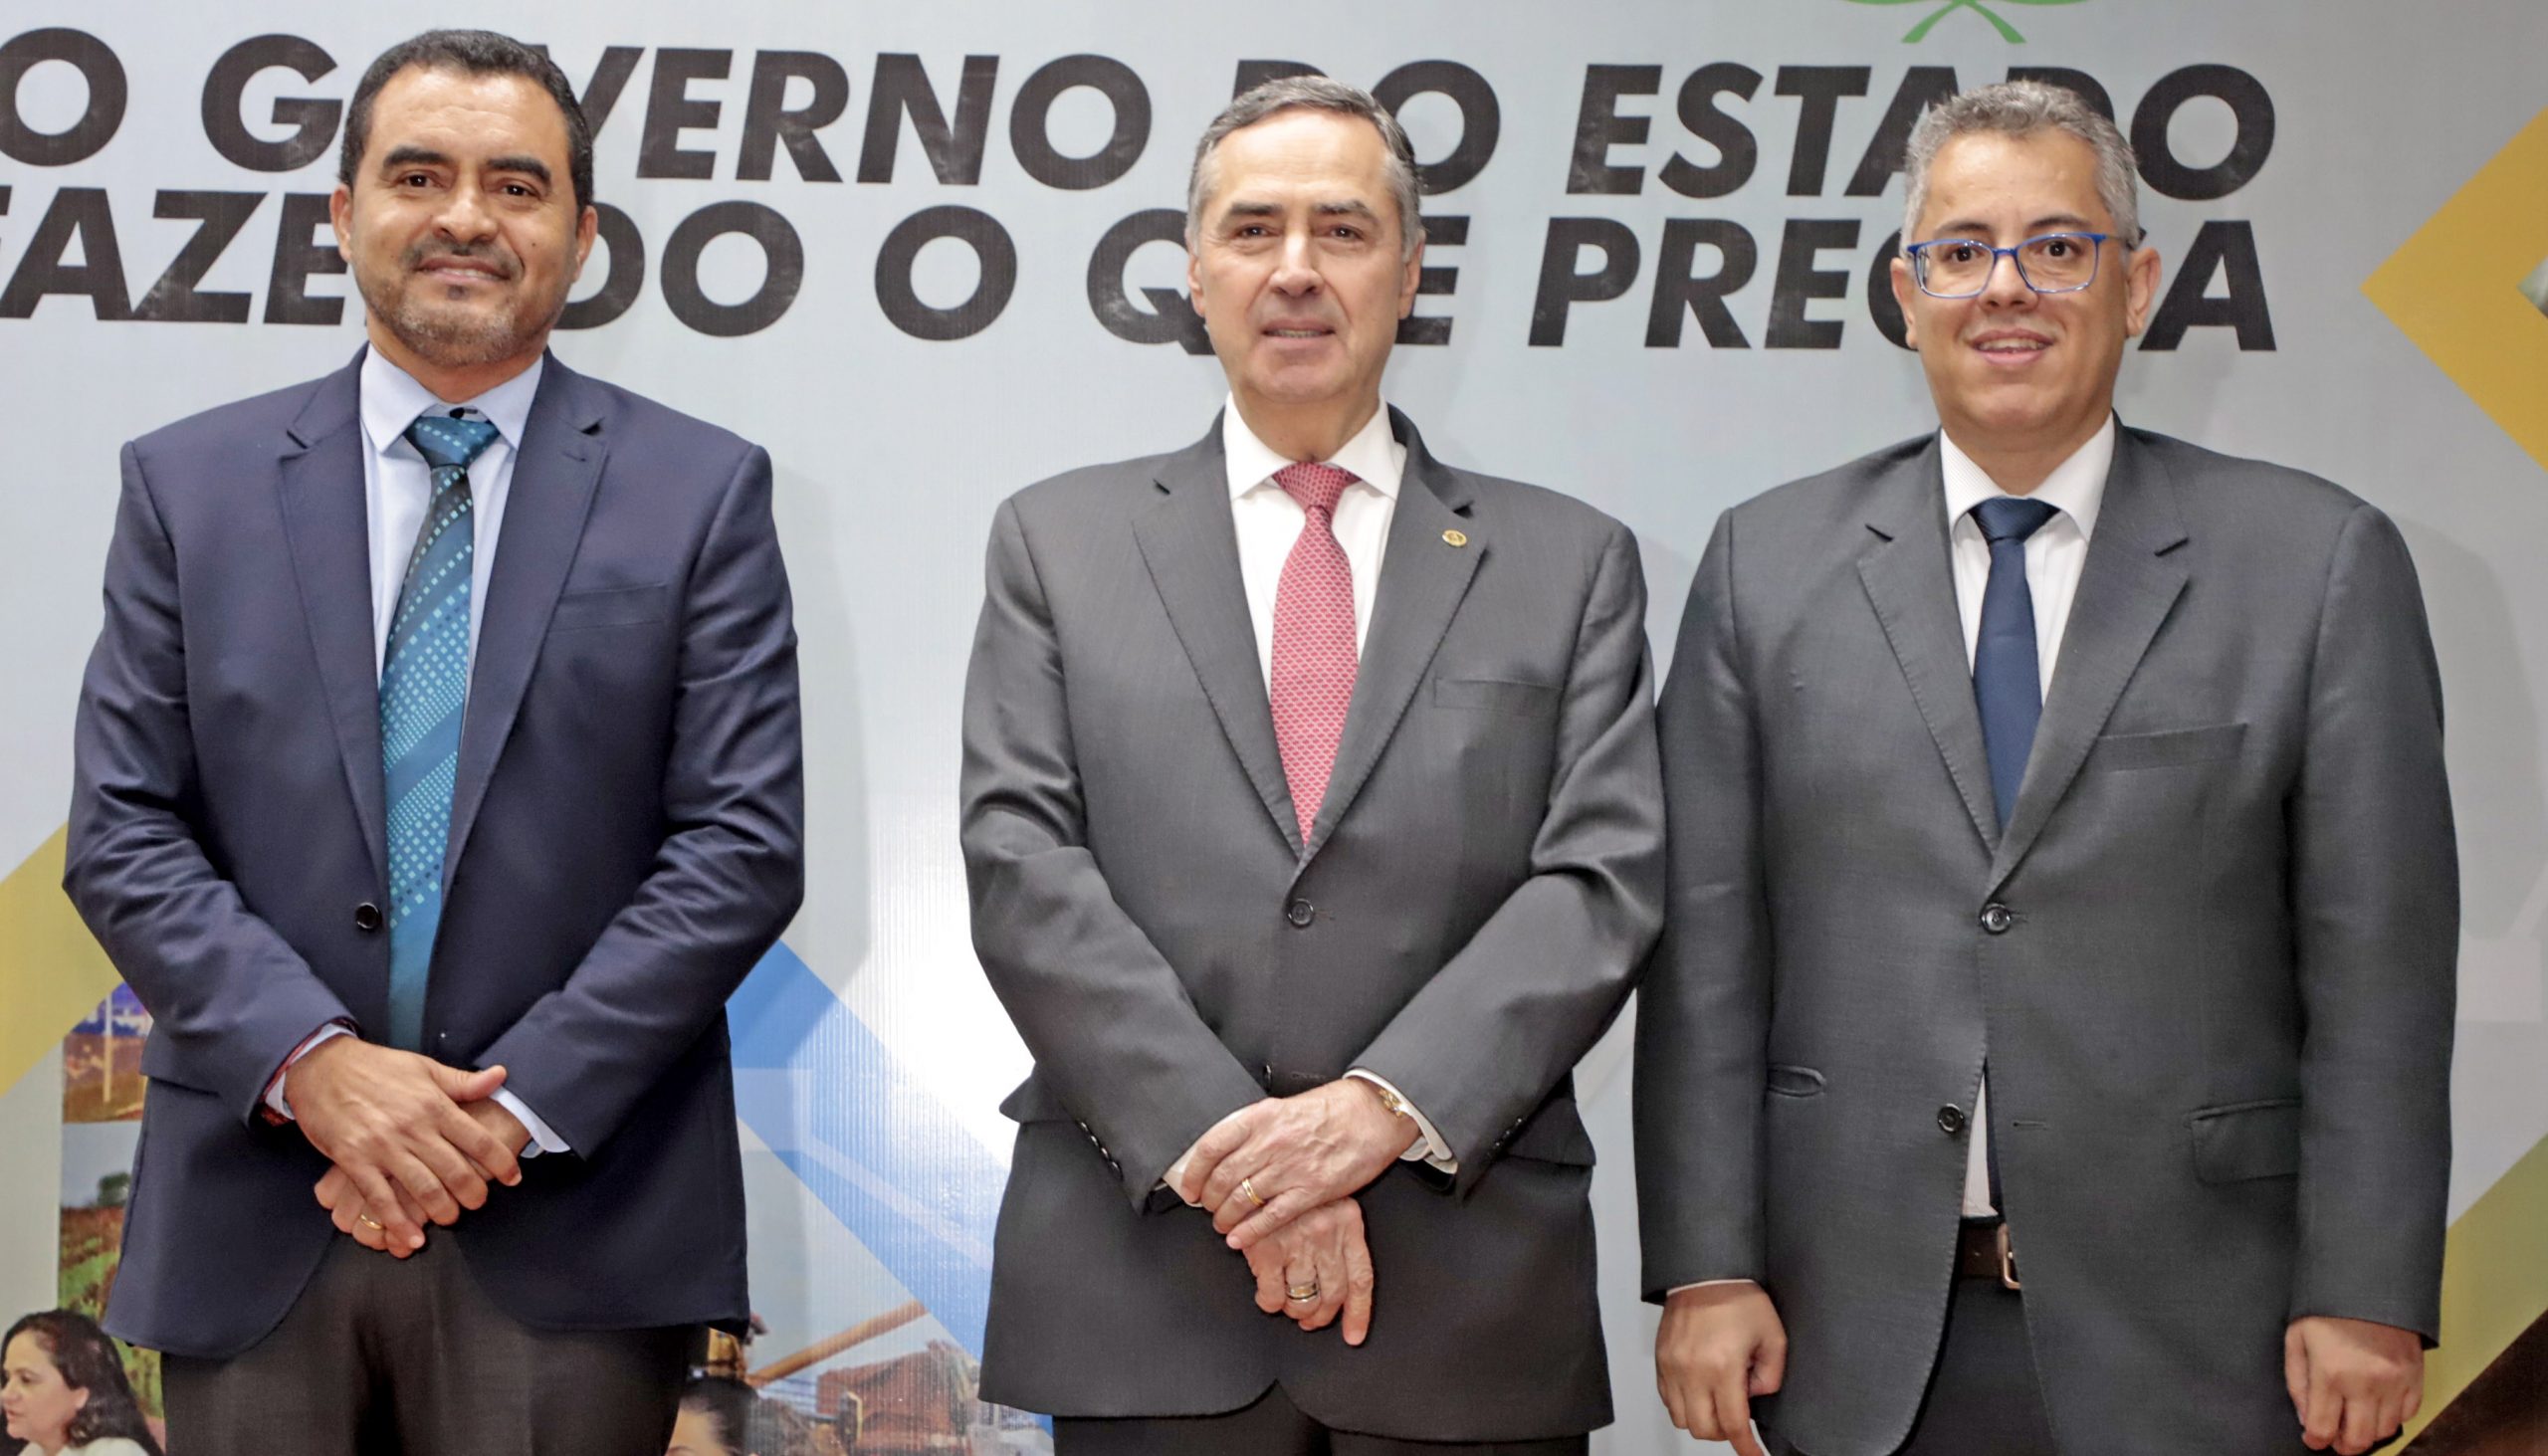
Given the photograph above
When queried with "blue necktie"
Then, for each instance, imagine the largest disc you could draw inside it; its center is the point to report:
(424, 685)
(2007, 679)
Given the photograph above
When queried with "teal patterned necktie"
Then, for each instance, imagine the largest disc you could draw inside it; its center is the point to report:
(424, 685)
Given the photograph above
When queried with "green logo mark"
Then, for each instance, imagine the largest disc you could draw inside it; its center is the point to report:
(2007, 31)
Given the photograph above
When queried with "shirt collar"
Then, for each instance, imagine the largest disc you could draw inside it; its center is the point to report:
(2076, 488)
(1372, 454)
(391, 400)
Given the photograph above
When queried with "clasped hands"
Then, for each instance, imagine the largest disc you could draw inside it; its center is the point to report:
(1279, 1179)
(412, 1141)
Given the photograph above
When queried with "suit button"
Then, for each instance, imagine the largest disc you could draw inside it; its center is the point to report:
(1950, 1119)
(1301, 914)
(367, 916)
(1997, 919)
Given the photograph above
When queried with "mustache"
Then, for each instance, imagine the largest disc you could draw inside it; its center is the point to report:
(419, 254)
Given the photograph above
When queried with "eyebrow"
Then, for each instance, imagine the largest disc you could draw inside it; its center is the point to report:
(529, 167)
(408, 155)
(2059, 222)
(1247, 209)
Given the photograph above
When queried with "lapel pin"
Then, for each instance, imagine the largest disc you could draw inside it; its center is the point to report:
(1455, 538)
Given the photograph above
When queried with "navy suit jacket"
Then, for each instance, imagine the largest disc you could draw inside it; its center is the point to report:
(625, 842)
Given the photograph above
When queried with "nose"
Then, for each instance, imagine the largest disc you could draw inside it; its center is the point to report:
(1294, 273)
(464, 216)
(2006, 286)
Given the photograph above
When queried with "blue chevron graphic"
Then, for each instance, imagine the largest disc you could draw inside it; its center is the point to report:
(874, 1145)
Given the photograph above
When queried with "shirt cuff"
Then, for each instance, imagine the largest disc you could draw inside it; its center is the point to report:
(276, 1101)
(1707, 1284)
(1426, 1146)
(1174, 1182)
(543, 1139)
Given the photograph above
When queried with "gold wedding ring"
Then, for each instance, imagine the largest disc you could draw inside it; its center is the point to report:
(1303, 1293)
(366, 1220)
(1248, 1188)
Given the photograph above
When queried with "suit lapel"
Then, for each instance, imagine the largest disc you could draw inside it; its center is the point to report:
(1422, 579)
(2129, 583)
(1910, 582)
(554, 473)
(320, 479)
(1190, 544)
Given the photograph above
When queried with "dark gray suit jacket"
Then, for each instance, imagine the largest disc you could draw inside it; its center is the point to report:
(1482, 876)
(2217, 1013)
(625, 842)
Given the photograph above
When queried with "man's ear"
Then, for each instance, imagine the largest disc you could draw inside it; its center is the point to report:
(340, 213)
(1905, 289)
(2140, 289)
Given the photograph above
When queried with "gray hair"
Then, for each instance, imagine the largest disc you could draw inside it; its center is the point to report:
(2024, 109)
(1317, 93)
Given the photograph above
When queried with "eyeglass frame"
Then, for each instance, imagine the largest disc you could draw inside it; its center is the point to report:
(1916, 252)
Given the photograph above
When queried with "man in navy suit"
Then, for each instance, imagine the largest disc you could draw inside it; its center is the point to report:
(438, 777)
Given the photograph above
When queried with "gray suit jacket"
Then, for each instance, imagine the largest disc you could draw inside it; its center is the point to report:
(1482, 878)
(2217, 1010)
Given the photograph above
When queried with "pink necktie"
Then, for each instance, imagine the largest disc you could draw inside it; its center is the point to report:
(1313, 657)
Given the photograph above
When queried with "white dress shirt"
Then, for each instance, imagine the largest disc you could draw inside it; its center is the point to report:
(2056, 553)
(1268, 522)
(397, 488)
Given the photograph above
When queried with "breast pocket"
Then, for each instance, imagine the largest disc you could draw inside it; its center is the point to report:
(2170, 748)
(610, 606)
(1494, 694)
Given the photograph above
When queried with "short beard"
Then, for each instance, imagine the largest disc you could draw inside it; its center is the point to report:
(448, 340)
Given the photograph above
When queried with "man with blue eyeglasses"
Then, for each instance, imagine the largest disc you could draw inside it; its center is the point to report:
(2049, 1045)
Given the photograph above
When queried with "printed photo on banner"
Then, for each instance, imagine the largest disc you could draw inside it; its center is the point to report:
(922, 1404)
(68, 1384)
(67, 1392)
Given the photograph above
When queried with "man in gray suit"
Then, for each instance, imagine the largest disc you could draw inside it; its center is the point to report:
(2060, 840)
(1313, 825)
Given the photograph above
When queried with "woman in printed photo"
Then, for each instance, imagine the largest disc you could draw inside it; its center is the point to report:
(64, 1391)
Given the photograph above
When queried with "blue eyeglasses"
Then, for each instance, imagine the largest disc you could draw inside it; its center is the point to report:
(1961, 268)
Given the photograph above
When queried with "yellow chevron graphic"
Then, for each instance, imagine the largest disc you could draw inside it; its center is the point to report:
(52, 972)
(2456, 288)
(2495, 1283)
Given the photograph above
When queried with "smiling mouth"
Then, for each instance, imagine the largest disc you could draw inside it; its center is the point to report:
(2013, 345)
(459, 265)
